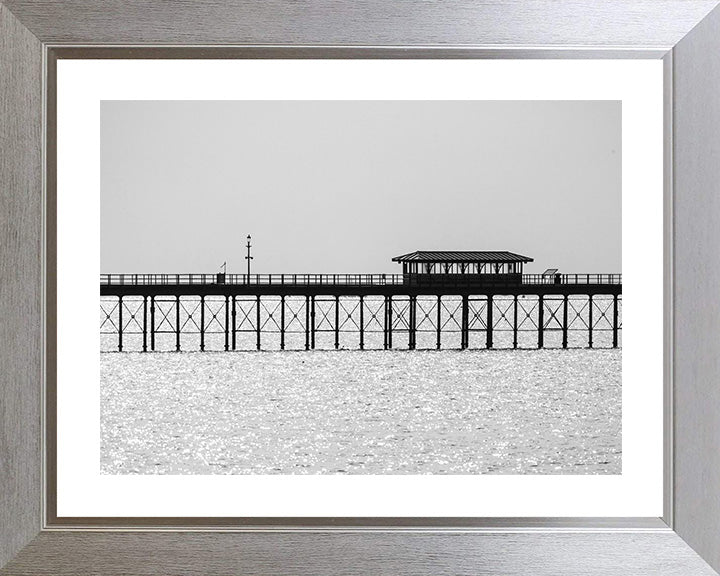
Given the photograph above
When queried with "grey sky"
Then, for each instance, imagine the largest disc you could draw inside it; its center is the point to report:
(332, 187)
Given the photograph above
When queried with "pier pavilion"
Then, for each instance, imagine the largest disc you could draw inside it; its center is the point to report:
(471, 268)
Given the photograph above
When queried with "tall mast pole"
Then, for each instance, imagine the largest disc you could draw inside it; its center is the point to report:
(248, 257)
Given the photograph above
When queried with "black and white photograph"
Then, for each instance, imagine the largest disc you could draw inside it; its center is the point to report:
(361, 287)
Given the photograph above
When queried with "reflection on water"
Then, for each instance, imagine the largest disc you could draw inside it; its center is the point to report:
(371, 412)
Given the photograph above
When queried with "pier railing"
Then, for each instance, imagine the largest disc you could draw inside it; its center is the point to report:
(339, 279)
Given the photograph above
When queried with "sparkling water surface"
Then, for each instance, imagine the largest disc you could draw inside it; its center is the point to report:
(362, 412)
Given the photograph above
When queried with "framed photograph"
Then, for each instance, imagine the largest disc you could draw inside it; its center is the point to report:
(415, 306)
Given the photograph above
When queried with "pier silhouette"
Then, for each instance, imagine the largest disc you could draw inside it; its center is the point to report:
(474, 294)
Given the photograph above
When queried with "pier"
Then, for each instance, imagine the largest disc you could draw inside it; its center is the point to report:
(442, 300)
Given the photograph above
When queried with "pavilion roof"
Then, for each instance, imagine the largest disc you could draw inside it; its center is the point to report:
(453, 256)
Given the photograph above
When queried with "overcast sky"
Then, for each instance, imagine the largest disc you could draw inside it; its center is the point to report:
(332, 187)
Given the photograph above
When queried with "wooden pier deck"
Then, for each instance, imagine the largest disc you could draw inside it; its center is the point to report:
(349, 284)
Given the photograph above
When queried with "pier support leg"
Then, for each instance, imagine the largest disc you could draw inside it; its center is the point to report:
(515, 322)
(385, 324)
(152, 323)
(145, 323)
(227, 323)
(362, 323)
(489, 322)
(257, 322)
(177, 323)
(337, 322)
(590, 321)
(307, 322)
(390, 322)
(412, 322)
(615, 321)
(312, 322)
(234, 324)
(438, 326)
(120, 324)
(202, 323)
(565, 322)
(541, 322)
(282, 322)
(464, 324)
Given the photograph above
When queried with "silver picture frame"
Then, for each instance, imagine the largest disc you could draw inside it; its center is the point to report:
(685, 34)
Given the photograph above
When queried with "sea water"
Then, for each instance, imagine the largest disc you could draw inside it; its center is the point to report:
(362, 412)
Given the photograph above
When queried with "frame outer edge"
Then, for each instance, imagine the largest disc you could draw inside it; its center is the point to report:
(370, 22)
(20, 169)
(20, 284)
(219, 554)
(696, 112)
